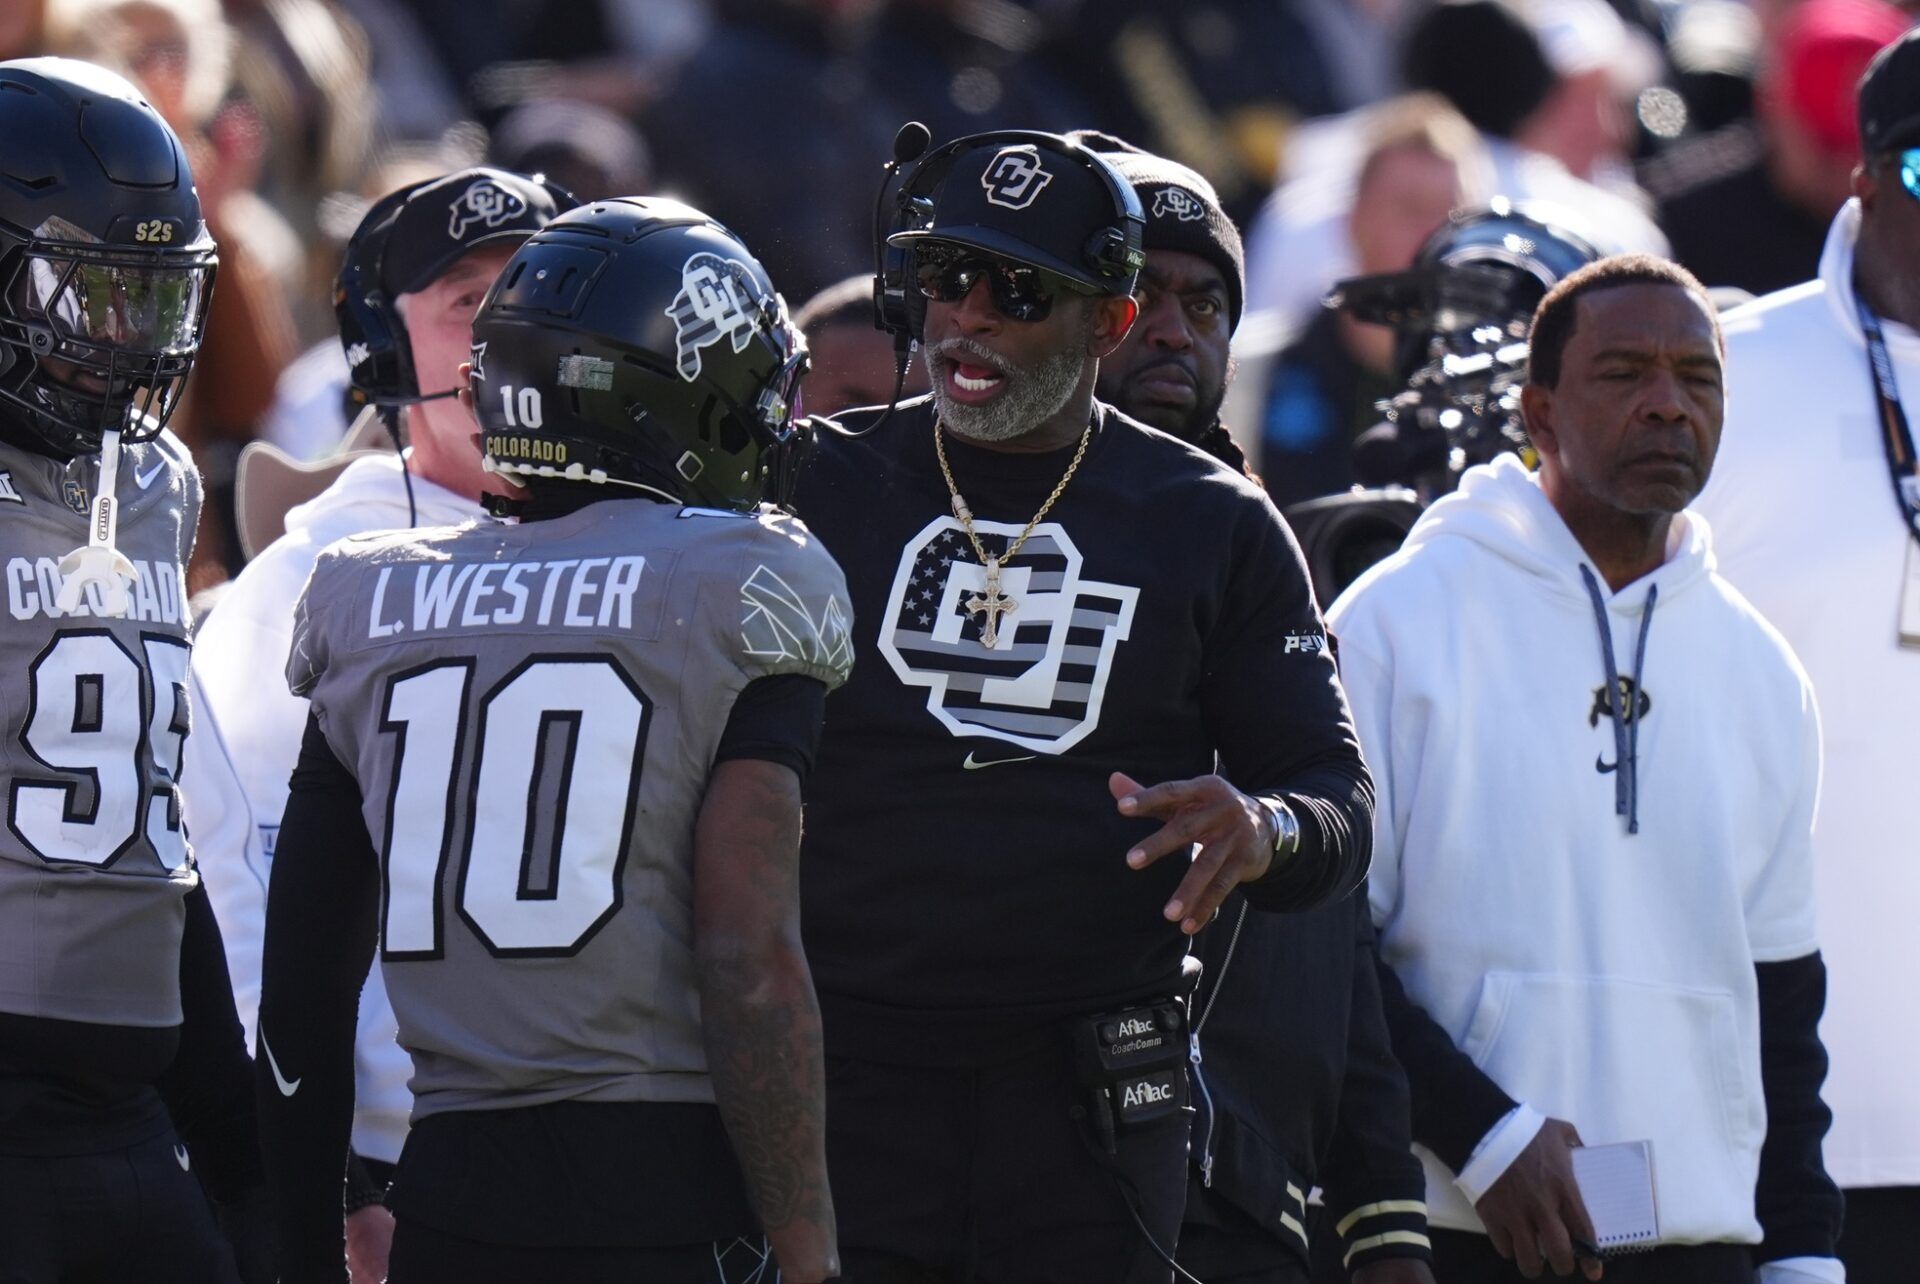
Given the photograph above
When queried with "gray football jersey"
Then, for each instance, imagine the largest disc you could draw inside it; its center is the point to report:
(531, 712)
(94, 863)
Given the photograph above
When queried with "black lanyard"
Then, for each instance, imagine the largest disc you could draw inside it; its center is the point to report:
(1902, 463)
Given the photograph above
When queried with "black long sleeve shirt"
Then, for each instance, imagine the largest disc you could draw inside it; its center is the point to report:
(963, 874)
(1299, 1086)
(1798, 1205)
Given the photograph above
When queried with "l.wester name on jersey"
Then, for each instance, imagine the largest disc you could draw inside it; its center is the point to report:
(576, 593)
(157, 595)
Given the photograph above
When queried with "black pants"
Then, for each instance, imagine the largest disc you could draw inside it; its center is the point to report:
(1215, 1255)
(1876, 1241)
(1222, 1244)
(942, 1176)
(1464, 1257)
(422, 1255)
(108, 1218)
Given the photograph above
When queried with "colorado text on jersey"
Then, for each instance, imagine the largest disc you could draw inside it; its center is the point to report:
(158, 595)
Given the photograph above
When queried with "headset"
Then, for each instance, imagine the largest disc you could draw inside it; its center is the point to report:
(379, 357)
(380, 373)
(1113, 254)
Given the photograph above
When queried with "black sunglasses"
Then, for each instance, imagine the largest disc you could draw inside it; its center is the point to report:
(1909, 162)
(946, 273)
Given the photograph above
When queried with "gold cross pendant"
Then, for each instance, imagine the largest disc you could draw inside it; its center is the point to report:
(994, 604)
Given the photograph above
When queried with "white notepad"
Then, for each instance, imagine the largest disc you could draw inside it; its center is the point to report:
(1616, 1182)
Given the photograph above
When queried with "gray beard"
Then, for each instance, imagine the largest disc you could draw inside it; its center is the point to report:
(1030, 398)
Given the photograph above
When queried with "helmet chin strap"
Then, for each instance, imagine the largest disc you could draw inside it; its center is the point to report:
(98, 562)
(572, 472)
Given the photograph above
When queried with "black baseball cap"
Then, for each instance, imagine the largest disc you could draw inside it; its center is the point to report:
(1042, 203)
(1890, 98)
(449, 217)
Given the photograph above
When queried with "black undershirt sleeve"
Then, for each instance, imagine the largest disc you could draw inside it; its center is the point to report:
(209, 1086)
(1370, 1173)
(1454, 1103)
(1798, 1204)
(322, 904)
(776, 719)
(1279, 720)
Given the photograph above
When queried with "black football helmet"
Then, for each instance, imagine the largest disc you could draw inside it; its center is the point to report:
(106, 266)
(638, 342)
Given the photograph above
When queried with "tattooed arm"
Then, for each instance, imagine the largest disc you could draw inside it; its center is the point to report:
(762, 1022)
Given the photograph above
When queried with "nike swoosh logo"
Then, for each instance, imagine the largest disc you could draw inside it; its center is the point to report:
(146, 479)
(287, 1088)
(1601, 765)
(180, 1157)
(971, 765)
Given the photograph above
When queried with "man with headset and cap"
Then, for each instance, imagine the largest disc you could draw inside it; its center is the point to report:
(416, 270)
(1069, 619)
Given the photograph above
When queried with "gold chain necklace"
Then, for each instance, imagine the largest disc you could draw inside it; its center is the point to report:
(993, 603)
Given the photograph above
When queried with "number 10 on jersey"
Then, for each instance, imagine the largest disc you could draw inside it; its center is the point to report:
(548, 802)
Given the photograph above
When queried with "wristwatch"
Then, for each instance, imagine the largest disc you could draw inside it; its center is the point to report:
(1286, 829)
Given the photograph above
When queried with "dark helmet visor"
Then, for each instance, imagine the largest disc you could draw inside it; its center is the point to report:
(130, 308)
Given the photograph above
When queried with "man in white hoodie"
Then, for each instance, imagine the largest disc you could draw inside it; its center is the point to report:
(1597, 768)
(1808, 525)
(416, 271)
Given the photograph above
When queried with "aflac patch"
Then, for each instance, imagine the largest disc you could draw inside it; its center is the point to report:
(718, 299)
(1015, 177)
(1177, 203)
(484, 202)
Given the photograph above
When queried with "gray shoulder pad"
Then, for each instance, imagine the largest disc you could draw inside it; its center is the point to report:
(794, 611)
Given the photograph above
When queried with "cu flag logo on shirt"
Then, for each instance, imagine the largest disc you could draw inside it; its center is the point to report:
(1013, 178)
(1042, 683)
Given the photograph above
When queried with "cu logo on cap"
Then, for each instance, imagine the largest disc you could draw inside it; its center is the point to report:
(484, 202)
(1172, 202)
(1013, 178)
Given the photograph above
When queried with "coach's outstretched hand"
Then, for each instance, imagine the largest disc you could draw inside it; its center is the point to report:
(1235, 833)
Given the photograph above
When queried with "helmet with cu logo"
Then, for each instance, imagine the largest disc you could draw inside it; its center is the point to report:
(637, 342)
(105, 262)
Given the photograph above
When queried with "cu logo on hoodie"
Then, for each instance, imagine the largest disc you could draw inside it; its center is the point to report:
(1628, 697)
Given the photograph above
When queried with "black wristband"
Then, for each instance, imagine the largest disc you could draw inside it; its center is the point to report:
(362, 1189)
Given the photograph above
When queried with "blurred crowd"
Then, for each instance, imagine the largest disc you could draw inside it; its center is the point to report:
(1338, 132)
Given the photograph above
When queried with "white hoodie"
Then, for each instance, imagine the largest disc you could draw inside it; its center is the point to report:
(1807, 526)
(1598, 976)
(247, 754)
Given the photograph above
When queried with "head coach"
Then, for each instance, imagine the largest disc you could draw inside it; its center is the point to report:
(1069, 622)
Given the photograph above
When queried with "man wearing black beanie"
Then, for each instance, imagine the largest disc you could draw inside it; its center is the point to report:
(1171, 373)
(1297, 1084)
